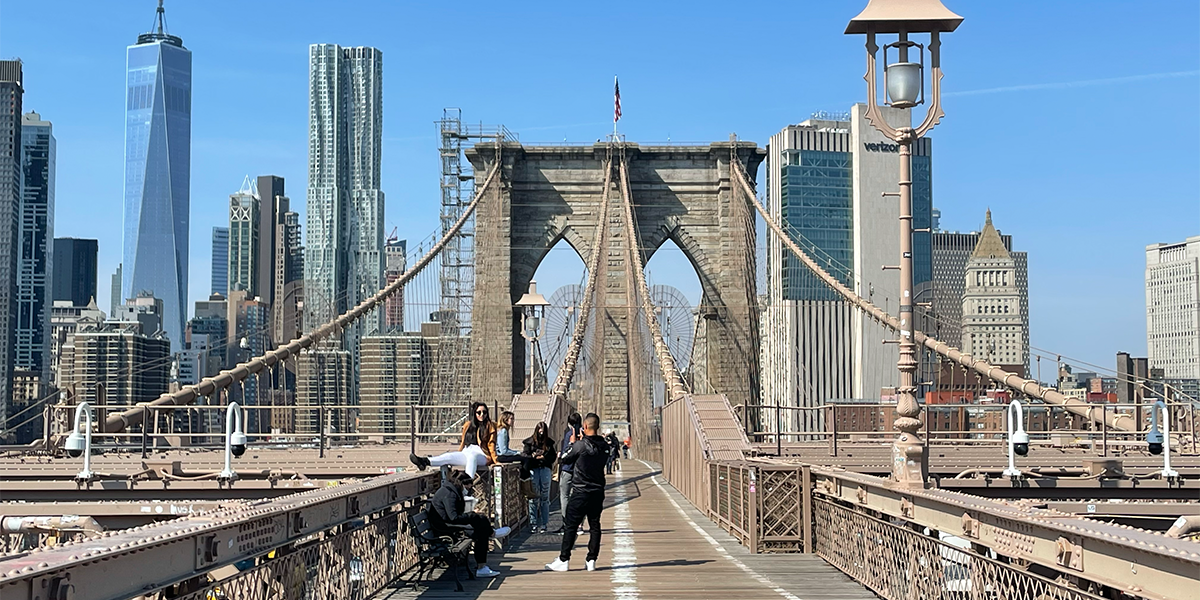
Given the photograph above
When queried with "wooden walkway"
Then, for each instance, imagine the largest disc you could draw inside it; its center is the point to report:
(655, 545)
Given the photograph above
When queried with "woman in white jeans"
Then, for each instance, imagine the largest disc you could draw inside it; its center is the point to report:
(476, 448)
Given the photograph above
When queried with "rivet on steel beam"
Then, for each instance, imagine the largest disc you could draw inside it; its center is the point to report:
(43, 565)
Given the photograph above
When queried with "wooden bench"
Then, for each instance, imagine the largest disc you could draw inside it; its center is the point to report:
(434, 548)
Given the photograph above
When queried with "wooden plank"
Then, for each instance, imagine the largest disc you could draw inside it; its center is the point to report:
(654, 546)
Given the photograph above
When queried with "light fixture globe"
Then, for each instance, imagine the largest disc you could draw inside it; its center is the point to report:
(904, 82)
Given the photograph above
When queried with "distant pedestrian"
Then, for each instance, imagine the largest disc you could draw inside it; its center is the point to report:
(614, 453)
(448, 507)
(626, 447)
(540, 454)
(572, 433)
(588, 457)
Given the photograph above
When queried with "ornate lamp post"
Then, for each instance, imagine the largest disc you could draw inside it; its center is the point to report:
(533, 310)
(904, 87)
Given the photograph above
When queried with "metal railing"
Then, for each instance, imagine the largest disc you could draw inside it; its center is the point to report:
(1042, 422)
(899, 563)
(349, 541)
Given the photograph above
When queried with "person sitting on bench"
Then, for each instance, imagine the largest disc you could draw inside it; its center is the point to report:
(448, 509)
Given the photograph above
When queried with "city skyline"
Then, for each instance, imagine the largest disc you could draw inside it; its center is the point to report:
(1077, 199)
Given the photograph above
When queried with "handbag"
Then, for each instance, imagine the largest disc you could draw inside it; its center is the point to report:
(528, 490)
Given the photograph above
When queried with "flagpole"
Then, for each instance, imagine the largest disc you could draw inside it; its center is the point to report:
(615, 117)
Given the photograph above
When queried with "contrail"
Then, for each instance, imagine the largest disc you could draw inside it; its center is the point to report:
(1074, 84)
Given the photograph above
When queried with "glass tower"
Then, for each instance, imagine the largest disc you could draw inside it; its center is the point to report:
(344, 260)
(34, 297)
(158, 130)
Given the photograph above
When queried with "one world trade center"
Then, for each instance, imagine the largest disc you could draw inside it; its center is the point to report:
(158, 137)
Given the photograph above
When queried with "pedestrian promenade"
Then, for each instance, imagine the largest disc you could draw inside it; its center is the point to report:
(655, 546)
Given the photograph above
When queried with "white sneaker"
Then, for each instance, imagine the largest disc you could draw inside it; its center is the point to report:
(486, 571)
(501, 533)
(591, 565)
(559, 565)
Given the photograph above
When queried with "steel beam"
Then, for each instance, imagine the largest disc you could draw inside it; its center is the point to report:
(1130, 560)
(139, 561)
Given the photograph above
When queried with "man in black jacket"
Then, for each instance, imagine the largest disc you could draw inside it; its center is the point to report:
(448, 508)
(588, 456)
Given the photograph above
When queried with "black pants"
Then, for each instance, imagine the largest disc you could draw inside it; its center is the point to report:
(582, 504)
(481, 534)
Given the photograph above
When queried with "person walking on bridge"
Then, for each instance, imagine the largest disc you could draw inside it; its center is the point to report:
(588, 456)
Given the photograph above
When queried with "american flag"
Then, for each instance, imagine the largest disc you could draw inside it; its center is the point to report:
(616, 100)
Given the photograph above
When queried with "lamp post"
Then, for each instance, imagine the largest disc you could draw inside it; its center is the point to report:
(904, 85)
(533, 310)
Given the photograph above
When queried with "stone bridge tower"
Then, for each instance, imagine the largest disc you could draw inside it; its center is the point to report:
(550, 193)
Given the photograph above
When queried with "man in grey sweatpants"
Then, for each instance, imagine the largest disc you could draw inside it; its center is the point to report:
(572, 433)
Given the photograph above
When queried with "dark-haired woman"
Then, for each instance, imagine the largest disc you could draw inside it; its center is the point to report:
(539, 453)
(476, 448)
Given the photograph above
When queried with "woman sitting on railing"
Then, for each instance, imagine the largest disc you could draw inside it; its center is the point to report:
(476, 448)
(504, 453)
(539, 453)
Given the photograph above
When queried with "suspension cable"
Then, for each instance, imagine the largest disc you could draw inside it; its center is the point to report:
(562, 381)
(675, 385)
(209, 385)
(1118, 421)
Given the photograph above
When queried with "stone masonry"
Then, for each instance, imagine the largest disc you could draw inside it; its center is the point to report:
(550, 193)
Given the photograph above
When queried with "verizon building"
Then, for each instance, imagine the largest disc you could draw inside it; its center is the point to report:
(1173, 308)
(825, 180)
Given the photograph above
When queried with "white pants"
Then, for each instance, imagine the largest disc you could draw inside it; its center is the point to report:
(469, 458)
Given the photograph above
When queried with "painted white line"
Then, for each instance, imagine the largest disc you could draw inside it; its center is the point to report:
(717, 545)
(623, 574)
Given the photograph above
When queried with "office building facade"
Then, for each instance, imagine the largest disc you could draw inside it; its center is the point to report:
(271, 198)
(344, 254)
(392, 375)
(324, 392)
(35, 259)
(993, 321)
(1173, 308)
(243, 241)
(158, 130)
(133, 366)
(396, 252)
(951, 251)
(74, 275)
(114, 291)
(11, 93)
(286, 315)
(220, 261)
(825, 178)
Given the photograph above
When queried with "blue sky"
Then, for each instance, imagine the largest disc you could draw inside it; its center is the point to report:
(1076, 122)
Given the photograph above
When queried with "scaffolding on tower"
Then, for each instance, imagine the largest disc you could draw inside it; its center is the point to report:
(451, 385)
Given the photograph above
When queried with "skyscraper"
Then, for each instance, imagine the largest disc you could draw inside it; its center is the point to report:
(36, 256)
(243, 241)
(825, 177)
(74, 276)
(220, 261)
(158, 131)
(270, 196)
(10, 212)
(114, 292)
(992, 317)
(397, 258)
(1173, 308)
(344, 255)
(289, 276)
(951, 251)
